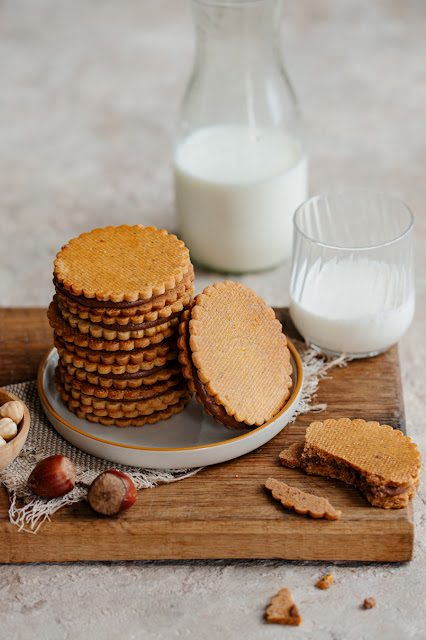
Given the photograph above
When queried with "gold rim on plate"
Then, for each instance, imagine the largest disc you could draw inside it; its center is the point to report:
(294, 395)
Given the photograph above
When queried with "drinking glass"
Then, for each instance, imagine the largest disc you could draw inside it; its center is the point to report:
(352, 277)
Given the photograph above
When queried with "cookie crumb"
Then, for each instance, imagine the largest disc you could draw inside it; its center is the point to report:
(282, 609)
(325, 582)
(291, 457)
(369, 603)
(301, 502)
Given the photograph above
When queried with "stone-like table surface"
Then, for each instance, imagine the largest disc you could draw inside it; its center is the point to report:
(88, 95)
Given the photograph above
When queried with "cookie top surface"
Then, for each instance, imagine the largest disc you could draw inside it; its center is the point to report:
(373, 448)
(122, 263)
(240, 352)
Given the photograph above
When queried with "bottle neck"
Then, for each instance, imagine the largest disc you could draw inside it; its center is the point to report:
(238, 35)
(238, 76)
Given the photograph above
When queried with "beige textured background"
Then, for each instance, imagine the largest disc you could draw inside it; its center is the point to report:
(88, 94)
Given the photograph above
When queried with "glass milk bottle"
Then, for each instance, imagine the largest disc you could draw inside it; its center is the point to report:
(240, 168)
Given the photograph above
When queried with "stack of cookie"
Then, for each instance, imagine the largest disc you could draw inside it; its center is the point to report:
(120, 292)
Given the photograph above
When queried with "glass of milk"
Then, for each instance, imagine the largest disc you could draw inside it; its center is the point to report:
(352, 278)
(240, 169)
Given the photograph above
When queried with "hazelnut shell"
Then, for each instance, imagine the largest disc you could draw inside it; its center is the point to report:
(52, 477)
(111, 492)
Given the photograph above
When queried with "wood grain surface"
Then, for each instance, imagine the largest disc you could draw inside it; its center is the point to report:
(224, 511)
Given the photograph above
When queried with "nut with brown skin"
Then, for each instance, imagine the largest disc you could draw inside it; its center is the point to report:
(52, 477)
(111, 492)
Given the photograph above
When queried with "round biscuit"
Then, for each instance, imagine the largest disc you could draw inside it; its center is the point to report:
(240, 352)
(122, 263)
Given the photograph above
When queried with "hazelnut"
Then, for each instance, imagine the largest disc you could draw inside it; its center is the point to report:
(8, 429)
(13, 410)
(111, 492)
(52, 477)
(2, 441)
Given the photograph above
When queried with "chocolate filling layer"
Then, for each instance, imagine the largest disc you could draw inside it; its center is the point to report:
(100, 304)
(123, 401)
(131, 376)
(317, 465)
(217, 410)
(144, 396)
(171, 342)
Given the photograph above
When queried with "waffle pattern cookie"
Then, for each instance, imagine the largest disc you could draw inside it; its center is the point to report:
(118, 358)
(122, 264)
(121, 381)
(74, 386)
(140, 421)
(301, 502)
(117, 331)
(73, 335)
(70, 358)
(157, 306)
(127, 409)
(235, 355)
(120, 294)
(79, 399)
(380, 461)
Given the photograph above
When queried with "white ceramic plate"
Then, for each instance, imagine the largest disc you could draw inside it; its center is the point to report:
(189, 439)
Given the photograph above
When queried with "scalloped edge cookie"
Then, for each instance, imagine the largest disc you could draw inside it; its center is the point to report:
(122, 263)
(236, 357)
(135, 422)
(380, 461)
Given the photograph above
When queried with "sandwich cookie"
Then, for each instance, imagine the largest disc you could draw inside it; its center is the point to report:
(127, 322)
(156, 304)
(140, 421)
(139, 393)
(123, 380)
(115, 358)
(70, 358)
(81, 400)
(122, 264)
(85, 340)
(235, 356)
(378, 460)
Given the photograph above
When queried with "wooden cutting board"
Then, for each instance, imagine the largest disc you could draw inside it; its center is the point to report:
(224, 511)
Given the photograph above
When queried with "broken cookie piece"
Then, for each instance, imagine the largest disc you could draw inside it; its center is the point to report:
(282, 609)
(325, 582)
(291, 457)
(369, 603)
(380, 461)
(301, 502)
